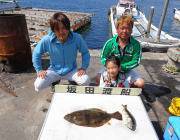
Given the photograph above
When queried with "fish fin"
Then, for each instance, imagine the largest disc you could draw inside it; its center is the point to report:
(124, 106)
(117, 115)
(96, 109)
(108, 123)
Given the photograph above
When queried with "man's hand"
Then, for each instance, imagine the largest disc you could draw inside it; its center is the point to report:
(81, 72)
(42, 74)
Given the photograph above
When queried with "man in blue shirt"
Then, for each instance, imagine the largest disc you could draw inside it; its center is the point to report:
(62, 45)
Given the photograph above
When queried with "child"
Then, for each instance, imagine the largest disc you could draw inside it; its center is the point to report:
(112, 76)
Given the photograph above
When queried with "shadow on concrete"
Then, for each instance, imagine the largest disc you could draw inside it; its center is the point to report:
(160, 85)
(158, 129)
(7, 67)
(156, 89)
(151, 91)
(155, 49)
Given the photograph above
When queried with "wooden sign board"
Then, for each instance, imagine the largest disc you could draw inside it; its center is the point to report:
(97, 90)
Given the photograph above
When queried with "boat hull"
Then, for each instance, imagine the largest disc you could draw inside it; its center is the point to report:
(140, 31)
(177, 14)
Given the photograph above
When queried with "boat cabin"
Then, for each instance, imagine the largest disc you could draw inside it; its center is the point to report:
(126, 7)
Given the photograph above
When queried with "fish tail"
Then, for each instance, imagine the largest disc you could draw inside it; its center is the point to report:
(117, 115)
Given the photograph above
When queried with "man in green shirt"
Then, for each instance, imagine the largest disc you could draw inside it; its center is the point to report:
(126, 48)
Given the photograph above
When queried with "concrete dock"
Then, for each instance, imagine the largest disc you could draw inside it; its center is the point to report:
(38, 21)
(22, 117)
(23, 110)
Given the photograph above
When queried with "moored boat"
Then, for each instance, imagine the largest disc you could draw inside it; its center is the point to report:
(147, 40)
(177, 14)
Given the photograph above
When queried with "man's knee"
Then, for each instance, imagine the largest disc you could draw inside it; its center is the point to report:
(139, 83)
(83, 80)
(36, 86)
(39, 84)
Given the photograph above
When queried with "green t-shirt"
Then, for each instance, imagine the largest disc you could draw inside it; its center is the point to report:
(130, 56)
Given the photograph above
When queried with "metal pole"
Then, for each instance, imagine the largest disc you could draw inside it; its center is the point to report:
(150, 21)
(162, 19)
(17, 5)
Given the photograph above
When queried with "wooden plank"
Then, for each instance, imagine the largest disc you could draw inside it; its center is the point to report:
(97, 90)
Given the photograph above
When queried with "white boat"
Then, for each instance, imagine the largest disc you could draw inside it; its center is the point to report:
(6, 5)
(7, 1)
(177, 14)
(140, 26)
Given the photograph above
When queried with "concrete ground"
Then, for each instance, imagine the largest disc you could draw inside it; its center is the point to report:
(22, 117)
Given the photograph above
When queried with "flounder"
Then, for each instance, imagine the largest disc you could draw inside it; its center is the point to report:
(91, 117)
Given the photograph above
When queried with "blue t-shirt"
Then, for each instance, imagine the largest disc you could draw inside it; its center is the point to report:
(62, 55)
